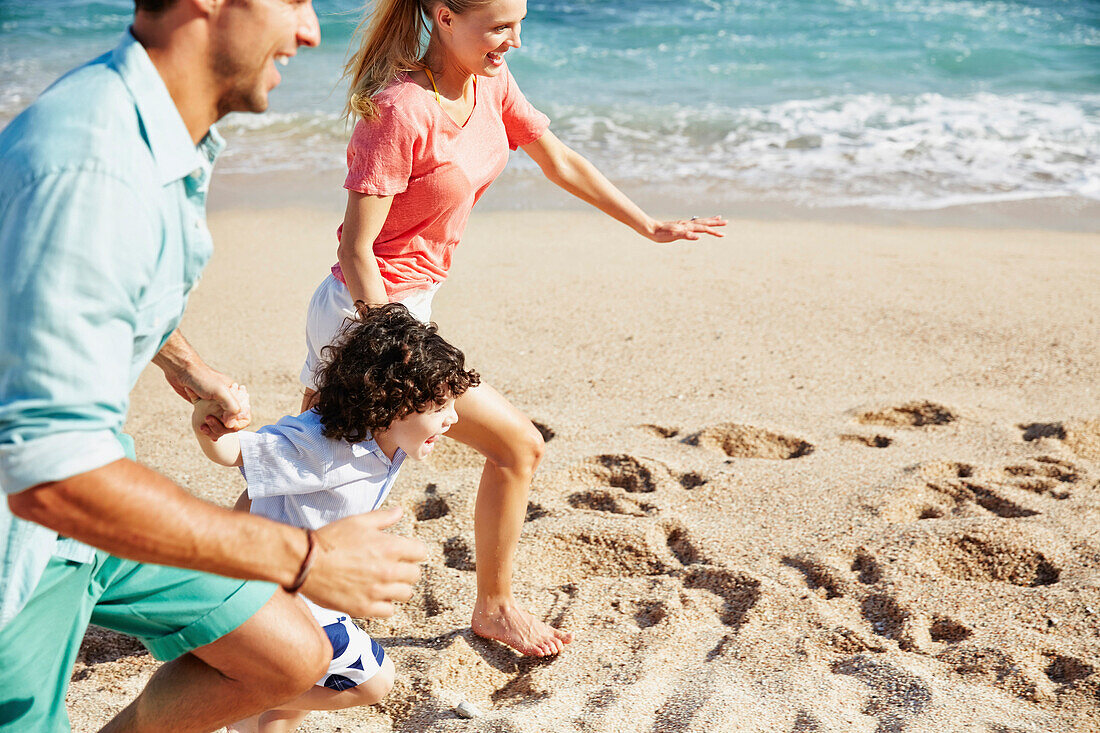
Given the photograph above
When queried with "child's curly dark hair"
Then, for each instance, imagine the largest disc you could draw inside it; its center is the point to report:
(384, 365)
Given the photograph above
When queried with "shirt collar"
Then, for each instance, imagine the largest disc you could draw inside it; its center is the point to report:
(364, 447)
(174, 154)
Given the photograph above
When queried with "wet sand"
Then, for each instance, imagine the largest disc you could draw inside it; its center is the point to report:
(810, 477)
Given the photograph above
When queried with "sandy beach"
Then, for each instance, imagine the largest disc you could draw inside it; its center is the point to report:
(808, 478)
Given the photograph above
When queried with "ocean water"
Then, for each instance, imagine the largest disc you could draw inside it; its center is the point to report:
(892, 104)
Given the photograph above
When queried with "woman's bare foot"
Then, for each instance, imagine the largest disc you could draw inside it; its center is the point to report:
(509, 624)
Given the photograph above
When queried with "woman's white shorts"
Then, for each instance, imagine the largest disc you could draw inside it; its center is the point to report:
(331, 305)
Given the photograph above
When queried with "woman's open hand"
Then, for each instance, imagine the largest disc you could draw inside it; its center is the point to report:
(693, 228)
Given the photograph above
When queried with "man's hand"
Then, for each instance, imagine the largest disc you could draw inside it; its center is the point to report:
(203, 383)
(212, 411)
(193, 380)
(362, 570)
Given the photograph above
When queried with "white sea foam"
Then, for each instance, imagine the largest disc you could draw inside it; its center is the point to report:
(917, 152)
(922, 151)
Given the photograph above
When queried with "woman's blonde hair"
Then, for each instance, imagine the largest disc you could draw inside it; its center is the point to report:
(392, 43)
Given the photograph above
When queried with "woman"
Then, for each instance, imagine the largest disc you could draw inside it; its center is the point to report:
(435, 126)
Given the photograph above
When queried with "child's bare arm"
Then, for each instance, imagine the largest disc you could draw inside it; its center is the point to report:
(226, 450)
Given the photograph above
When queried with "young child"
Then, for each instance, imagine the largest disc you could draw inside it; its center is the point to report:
(386, 391)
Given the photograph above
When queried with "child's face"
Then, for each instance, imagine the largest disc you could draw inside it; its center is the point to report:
(417, 432)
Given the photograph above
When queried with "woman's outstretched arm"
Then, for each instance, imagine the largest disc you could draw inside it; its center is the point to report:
(569, 169)
(363, 220)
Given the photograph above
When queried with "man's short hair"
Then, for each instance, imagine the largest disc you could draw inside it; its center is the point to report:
(152, 6)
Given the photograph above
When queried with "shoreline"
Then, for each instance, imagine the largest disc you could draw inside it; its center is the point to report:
(323, 191)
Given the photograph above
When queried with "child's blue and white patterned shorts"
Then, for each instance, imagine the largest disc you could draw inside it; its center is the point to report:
(355, 656)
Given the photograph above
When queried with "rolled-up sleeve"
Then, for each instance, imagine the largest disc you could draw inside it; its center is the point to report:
(74, 250)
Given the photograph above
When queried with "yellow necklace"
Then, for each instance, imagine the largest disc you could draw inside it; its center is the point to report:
(431, 78)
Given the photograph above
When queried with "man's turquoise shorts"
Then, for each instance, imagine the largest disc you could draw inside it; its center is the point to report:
(172, 612)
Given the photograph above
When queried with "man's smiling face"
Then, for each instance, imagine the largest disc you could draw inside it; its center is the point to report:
(250, 38)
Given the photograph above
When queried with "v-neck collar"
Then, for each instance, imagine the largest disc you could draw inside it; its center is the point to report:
(439, 106)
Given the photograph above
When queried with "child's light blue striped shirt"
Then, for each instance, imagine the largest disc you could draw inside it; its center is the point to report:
(297, 476)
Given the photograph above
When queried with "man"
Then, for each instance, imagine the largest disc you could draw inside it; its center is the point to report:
(102, 235)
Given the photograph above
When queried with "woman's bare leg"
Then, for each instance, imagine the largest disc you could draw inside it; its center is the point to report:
(513, 448)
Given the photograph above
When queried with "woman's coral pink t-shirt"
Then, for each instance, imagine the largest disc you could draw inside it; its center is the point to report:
(435, 170)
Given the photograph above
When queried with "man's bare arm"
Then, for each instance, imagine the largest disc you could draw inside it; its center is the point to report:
(134, 512)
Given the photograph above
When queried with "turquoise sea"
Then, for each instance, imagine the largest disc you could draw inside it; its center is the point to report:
(892, 104)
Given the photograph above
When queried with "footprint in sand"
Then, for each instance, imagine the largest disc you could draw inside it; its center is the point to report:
(457, 554)
(871, 441)
(692, 480)
(660, 431)
(805, 722)
(977, 558)
(916, 414)
(1028, 676)
(584, 545)
(880, 608)
(649, 613)
(1045, 475)
(438, 593)
(819, 576)
(952, 489)
(868, 568)
(637, 475)
(982, 552)
(622, 471)
(1039, 430)
(534, 511)
(1004, 669)
(747, 441)
(601, 500)
(963, 492)
(1065, 670)
(682, 546)
(1080, 436)
(947, 631)
(432, 506)
(897, 696)
(737, 592)
(484, 672)
(891, 619)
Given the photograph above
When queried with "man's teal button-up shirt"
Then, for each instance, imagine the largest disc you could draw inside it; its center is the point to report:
(102, 237)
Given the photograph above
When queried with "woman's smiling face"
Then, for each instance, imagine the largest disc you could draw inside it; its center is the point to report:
(477, 40)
